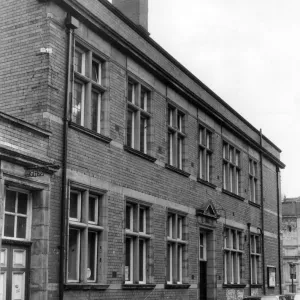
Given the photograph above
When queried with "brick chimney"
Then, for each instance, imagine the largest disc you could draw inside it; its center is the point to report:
(135, 10)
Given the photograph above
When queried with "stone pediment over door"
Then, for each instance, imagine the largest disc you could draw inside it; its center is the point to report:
(207, 213)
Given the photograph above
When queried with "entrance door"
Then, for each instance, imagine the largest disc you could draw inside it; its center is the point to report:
(14, 272)
(202, 267)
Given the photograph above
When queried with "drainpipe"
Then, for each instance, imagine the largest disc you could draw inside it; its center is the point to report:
(70, 25)
(262, 216)
(249, 254)
(278, 229)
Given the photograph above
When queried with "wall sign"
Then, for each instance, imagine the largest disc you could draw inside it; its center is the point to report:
(271, 276)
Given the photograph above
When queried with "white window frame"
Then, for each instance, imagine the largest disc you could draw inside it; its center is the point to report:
(253, 180)
(84, 226)
(205, 153)
(233, 255)
(85, 79)
(28, 215)
(135, 235)
(255, 258)
(231, 168)
(176, 136)
(138, 113)
(175, 240)
(78, 206)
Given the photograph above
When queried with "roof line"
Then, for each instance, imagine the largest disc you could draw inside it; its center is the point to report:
(146, 36)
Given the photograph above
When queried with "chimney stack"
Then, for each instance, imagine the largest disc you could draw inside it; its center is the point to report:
(135, 10)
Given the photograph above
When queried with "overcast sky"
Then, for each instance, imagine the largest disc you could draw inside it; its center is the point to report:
(248, 53)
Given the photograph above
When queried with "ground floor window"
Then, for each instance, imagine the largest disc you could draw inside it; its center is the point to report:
(86, 225)
(137, 243)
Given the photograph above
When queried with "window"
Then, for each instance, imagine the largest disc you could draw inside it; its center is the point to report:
(175, 137)
(253, 180)
(176, 248)
(17, 207)
(137, 243)
(138, 116)
(88, 104)
(205, 154)
(231, 169)
(255, 258)
(85, 228)
(233, 251)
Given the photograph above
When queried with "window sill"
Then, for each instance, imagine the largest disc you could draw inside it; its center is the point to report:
(254, 204)
(206, 183)
(176, 170)
(177, 286)
(233, 195)
(85, 286)
(141, 286)
(234, 286)
(90, 132)
(139, 153)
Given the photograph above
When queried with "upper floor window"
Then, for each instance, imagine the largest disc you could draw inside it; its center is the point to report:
(17, 207)
(176, 248)
(205, 153)
(231, 168)
(255, 247)
(137, 243)
(233, 251)
(86, 224)
(175, 137)
(253, 180)
(89, 99)
(138, 116)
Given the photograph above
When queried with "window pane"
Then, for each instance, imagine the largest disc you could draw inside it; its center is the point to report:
(179, 122)
(201, 136)
(170, 116)
(78, 59)
(142, 220)
(169, 263)
(201, 163)
(207, 167)
(73, 254)
(77, 103)
(95, 71)
(130, 96)
(142, 258)
(130, 128)
(144, 99)
(128, 216)
(170, 148)
(179, 228)
(93, 209)
(9, 225)
(21, 227)
(128, 260)
(231, 154)
(143, 135)
(74, 205)
(10, 201)
(179, 263)
(179, 153)
(95, 111)
(92, 243)
(22, 203)
(208, 140)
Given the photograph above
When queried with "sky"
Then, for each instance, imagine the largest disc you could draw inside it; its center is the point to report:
(248, 53)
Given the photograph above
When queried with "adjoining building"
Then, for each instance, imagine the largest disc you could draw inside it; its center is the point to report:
(122, 175)
(291, 244)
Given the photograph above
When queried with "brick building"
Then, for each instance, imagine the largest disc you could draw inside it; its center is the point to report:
(122, 175)
(291, 243)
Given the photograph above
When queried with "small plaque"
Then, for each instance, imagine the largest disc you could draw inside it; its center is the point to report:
(34, 173)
